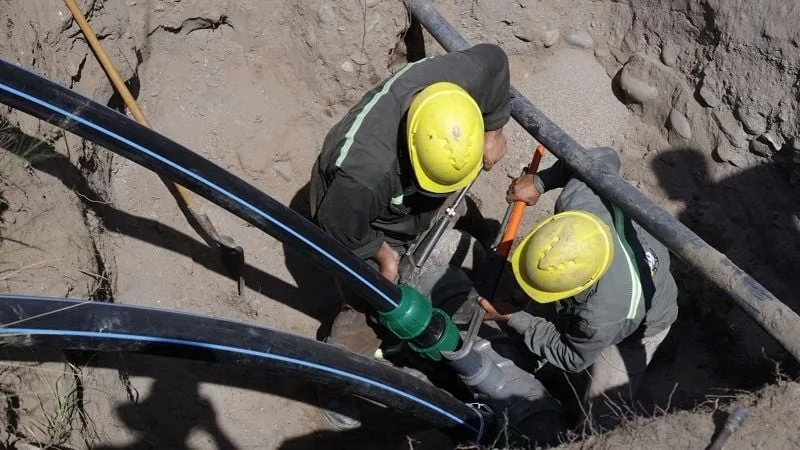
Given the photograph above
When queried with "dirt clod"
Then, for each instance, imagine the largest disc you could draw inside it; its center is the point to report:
(753, 123)
(680, 124)
(581, 39)
(708, 96)
(637, 89)
(550, 37)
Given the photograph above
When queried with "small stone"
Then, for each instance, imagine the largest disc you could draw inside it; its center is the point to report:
(359, 58)
(708, 96)
(794, 222)
(752, 123)
(760, 148)
(636, 88)
(772, 139)
(669, 54)
(785, 114)
(601, 53)
(347, 66)
(730, 127)
(310, 37)
(372, 3)
(680, 124)
(727, 153)
(581, 39)
(523, 36)
(327, 13)
(550, 38)
(284, 170)
(795, 143)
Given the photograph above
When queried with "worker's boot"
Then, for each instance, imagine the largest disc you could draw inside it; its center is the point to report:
(339, 409)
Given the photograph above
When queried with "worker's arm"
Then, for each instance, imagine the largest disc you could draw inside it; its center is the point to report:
(582, 335)
(529, 187)
(346, 212)
(574, 349)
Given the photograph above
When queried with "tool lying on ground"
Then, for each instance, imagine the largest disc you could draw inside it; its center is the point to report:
(231, 254)
(732, 423)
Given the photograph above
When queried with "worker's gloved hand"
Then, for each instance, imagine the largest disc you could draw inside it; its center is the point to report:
(388, 262)
(523, 189)
(494, 148)
(492, 313)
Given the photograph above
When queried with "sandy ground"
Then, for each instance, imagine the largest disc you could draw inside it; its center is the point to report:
(255, 89)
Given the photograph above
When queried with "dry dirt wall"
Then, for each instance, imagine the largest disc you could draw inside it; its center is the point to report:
(720, 80)
(55, 189)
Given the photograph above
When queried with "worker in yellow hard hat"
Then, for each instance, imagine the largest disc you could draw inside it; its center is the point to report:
(391, 162)
(610, 280)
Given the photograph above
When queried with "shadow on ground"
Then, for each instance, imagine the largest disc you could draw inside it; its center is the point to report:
(174, 408)
(42, 157)
(715, 349)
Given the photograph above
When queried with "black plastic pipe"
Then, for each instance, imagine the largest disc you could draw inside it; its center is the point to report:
(107, 327)
(771, 314)
(35, 95)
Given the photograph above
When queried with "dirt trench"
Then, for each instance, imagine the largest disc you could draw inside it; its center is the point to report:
(699, 97)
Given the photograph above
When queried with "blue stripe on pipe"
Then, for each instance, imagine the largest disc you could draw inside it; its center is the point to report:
(243, 351)
(208, 183)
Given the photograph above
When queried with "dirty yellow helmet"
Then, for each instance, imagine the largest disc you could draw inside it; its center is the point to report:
(563, 256)
(445, 138)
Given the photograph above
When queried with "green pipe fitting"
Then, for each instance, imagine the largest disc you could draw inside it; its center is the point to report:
(412, 316)
(448, 342)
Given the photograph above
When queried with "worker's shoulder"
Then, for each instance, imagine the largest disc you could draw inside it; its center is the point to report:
(490, 50)
(489, 54)
(608, 301)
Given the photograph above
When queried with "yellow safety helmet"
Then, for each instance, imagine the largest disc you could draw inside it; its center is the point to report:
(445, 138)
(563, 256)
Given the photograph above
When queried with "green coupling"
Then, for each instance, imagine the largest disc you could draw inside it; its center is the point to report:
(411, 319)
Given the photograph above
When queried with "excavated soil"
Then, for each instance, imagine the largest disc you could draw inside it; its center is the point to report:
(700, 97)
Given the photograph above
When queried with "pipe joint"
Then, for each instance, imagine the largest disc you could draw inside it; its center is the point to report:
(416, 319)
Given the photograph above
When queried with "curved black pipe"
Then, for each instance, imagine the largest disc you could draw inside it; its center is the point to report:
(35, 95)
(107, 327)
(777, 319)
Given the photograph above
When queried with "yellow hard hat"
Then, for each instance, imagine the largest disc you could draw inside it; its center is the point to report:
(563, 256)
(445, 138)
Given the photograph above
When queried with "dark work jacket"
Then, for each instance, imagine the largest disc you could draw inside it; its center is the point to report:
(637, 296)
(362, 187)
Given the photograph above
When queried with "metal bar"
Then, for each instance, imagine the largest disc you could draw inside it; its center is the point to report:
(431, 240)
(774, 317)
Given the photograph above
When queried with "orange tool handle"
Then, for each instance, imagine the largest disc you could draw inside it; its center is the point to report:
(519, 209)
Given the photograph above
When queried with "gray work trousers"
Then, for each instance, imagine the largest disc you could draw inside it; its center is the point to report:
(614, 378)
